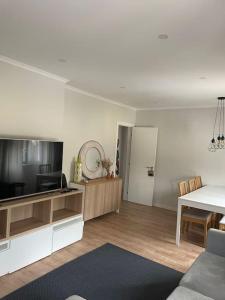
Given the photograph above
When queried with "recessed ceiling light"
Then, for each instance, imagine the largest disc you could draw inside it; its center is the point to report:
(62, 60)
(203, 78)
(163, 36)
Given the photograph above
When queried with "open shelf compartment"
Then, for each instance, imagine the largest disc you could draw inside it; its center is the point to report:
(29, 216)
(3, 223)
(67, 206)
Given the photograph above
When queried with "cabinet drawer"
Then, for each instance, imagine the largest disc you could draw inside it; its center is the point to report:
(30, 247)
(5, 257)
(67, 233)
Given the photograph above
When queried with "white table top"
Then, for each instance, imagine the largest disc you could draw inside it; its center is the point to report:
(208, 195)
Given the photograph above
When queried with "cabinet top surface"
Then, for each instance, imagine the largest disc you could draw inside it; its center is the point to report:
(36, 198)
(99, 180)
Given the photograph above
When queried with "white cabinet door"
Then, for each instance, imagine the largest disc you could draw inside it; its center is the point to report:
(5, 257)
(30, 247)
(67, 233)
(143, 154)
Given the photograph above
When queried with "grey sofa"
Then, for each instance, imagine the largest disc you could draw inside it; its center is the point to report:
(205, 280)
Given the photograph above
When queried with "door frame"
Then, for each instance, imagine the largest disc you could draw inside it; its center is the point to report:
(119, 123)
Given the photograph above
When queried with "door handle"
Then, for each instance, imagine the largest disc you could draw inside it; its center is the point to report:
(150, 171)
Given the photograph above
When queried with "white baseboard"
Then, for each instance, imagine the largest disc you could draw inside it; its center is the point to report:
(165, 206)
(155, 204)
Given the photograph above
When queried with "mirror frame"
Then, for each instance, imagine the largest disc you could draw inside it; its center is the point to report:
(82, 155)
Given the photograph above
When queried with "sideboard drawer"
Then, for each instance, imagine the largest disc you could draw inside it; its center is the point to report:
(28, 248)
(5, 257)
(66, 233)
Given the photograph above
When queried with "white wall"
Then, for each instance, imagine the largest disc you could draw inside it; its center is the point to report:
(182, 152)
(89, 119)
(32, 105)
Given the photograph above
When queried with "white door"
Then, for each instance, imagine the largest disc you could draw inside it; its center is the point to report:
(143, 154)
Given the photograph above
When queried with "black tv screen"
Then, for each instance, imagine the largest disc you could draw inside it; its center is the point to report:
(28, 167)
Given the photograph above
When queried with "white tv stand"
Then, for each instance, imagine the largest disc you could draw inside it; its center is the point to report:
(34, 227)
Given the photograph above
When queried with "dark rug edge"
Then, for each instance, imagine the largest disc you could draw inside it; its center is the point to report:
(79, 257)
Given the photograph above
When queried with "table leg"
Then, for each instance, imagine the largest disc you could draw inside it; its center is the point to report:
(178, 224)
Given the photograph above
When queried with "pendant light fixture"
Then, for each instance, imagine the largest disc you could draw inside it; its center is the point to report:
(218, 141)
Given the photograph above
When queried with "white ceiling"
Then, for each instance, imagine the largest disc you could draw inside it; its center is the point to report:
(109, 44)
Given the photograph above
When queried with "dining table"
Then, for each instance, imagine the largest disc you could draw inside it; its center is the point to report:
(209, 197)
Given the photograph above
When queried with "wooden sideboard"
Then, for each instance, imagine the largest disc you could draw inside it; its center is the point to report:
(101, 196)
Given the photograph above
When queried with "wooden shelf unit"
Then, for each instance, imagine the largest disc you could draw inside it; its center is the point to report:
(25, 225)
(68, 206)
(22, 215)
(29, 216)
(3, 224)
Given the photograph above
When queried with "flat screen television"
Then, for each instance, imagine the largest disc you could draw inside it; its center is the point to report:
(29, 167)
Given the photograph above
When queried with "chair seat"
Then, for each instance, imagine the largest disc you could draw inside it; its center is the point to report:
(197, 214)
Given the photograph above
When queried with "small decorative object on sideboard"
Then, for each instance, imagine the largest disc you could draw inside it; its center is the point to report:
(78, 170)
(106, 164)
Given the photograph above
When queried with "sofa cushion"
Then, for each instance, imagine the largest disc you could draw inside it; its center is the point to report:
(74, 297)
(207, 276)
(182, 293)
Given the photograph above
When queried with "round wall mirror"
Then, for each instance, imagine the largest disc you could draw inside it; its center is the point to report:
(91, 153)
(93, 156)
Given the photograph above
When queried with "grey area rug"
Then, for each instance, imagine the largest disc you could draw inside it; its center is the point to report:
(106, 273)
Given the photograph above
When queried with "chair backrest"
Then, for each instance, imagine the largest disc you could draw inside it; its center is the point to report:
(192, 185)
(183, 188)
(198, 182)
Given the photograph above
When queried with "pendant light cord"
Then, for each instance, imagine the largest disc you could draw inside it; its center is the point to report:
(215, 119)
(223, 117)
(220, 108)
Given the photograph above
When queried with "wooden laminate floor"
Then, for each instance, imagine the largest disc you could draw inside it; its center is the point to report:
(147, 231)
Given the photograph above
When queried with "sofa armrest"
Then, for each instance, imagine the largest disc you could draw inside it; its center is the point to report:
(216, 242)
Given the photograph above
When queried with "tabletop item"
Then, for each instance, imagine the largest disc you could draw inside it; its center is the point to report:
(106, 164)
(78, 170)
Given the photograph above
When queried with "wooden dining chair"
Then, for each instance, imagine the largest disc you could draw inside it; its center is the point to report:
(183, 188)
(198, 216)
(192, 185)
(198, 185)
(198, 182)
(193, 215)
